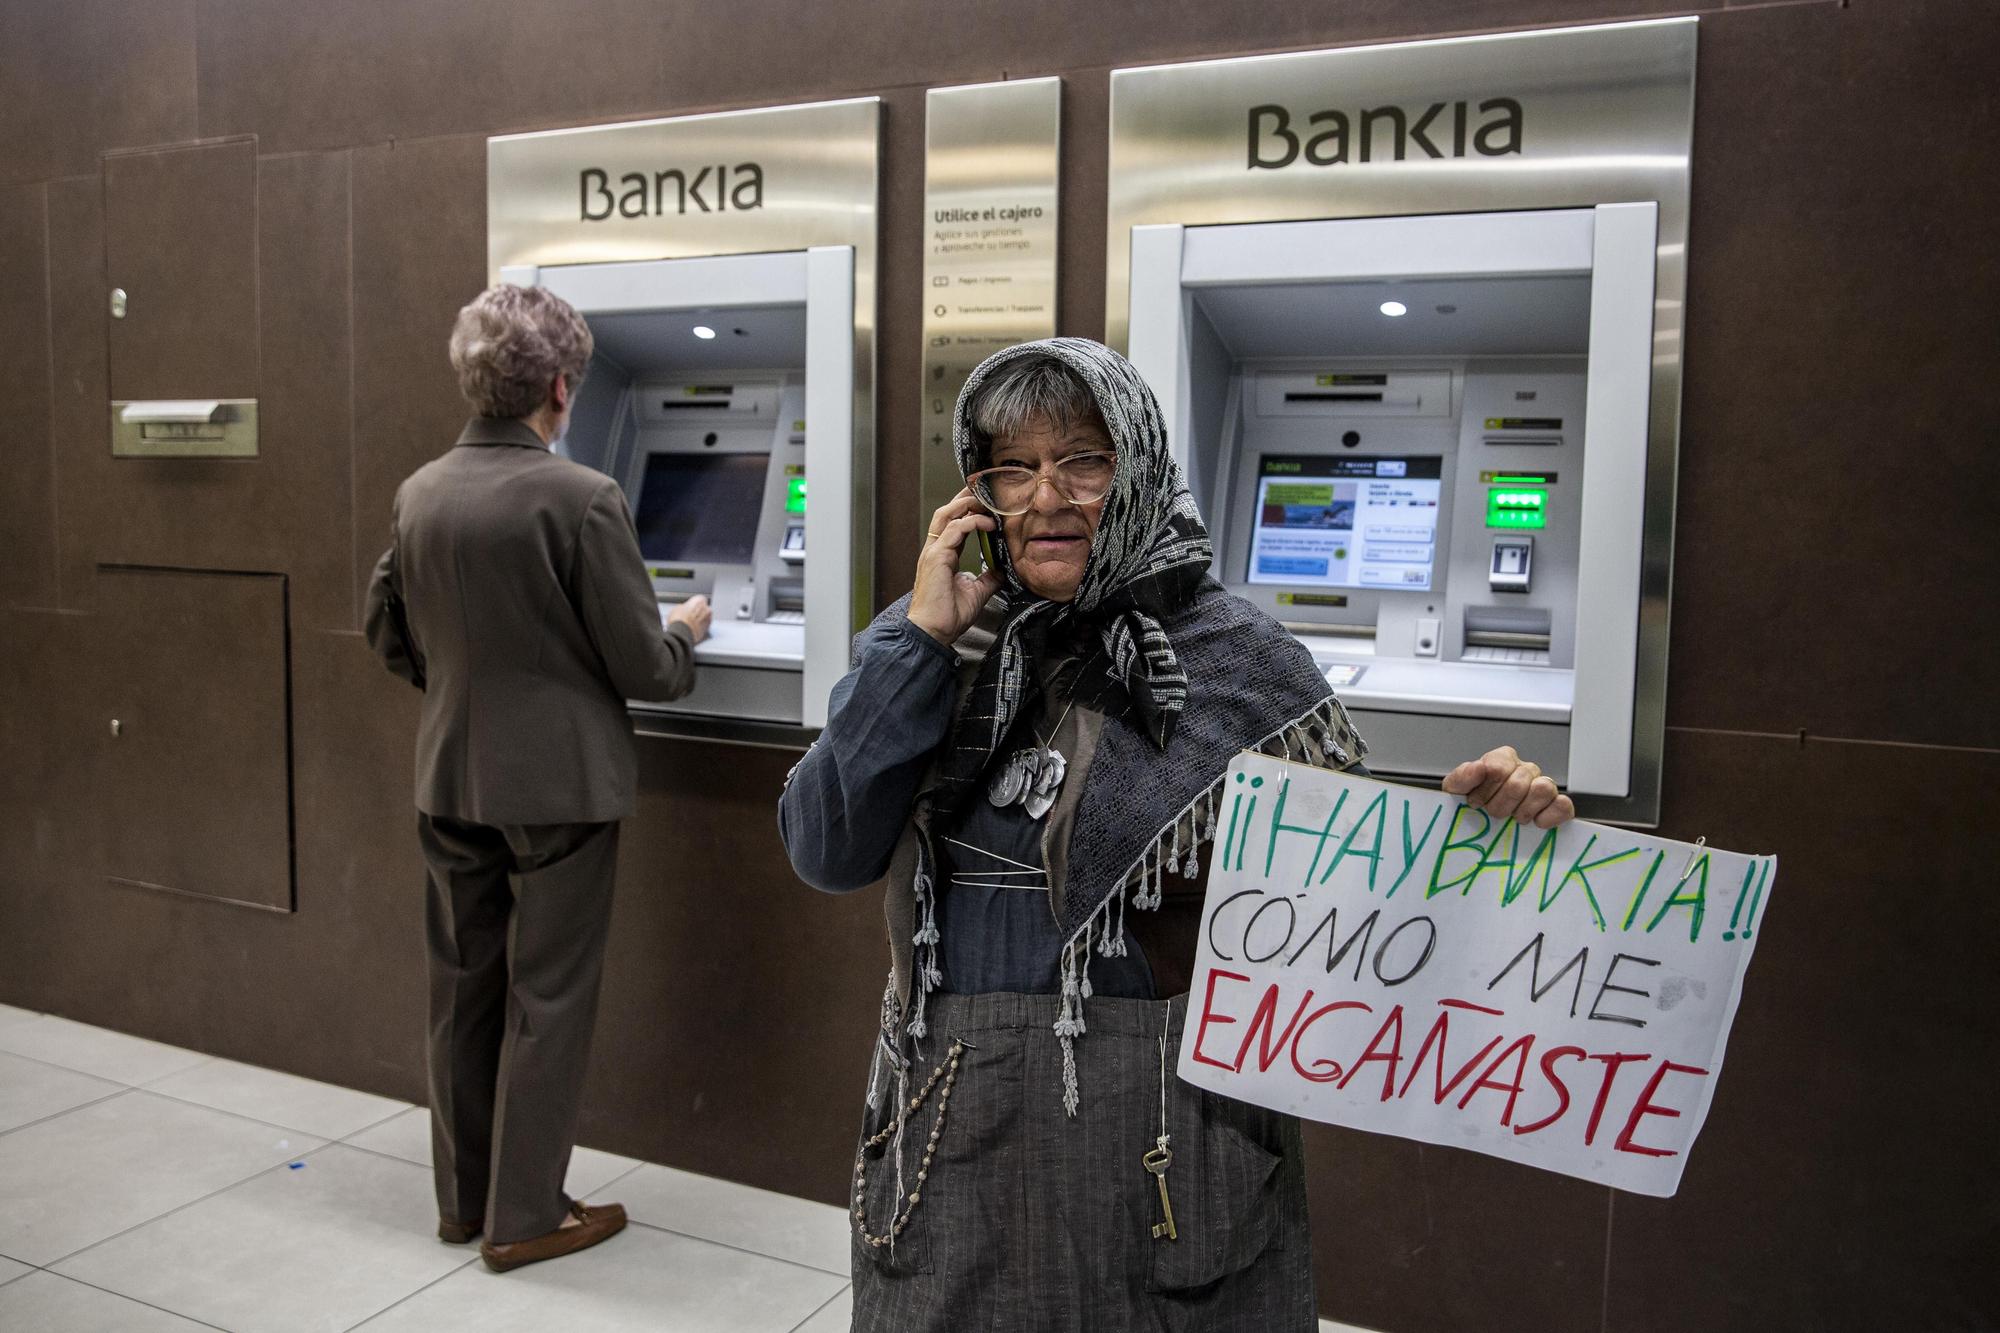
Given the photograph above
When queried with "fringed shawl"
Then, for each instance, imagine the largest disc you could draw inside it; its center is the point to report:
(1233, 680)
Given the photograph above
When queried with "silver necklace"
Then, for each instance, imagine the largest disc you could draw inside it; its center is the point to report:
(1031, 777)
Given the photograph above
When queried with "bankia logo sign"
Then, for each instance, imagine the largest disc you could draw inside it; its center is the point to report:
(1277, 139)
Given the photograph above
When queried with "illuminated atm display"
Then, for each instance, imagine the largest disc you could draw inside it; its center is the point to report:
(1346, 522)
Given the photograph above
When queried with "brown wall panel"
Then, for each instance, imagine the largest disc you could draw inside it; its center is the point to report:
(286, 510)
(738, 996)
(899, 347)
(419, 254)
(1843, 1178)
(356, 72)
(180, 239)
(302, 513)
(1409, 1237)
(86, 75)
(357, 958)
(333, 991)
(27, 500)
(351, 72)
(46, 806)
(190, 673)
(1838, 448)
(80, 402)
(1086, 156)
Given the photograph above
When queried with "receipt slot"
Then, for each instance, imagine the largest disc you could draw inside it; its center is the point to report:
(721, 396)
(1420, 443)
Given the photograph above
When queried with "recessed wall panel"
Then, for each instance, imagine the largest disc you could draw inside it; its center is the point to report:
(180, 241)
(192, 733)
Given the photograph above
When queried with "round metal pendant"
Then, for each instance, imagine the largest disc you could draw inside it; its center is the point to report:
(1048, 781)
(1013, 779)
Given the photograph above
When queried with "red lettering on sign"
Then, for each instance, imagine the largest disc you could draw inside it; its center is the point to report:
(1613, 1062)
(1645, 1106)
(1208, 1015)
(1549, 1058)
(1392, 1027)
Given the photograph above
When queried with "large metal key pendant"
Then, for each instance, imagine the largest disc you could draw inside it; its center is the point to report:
(1157, 1161)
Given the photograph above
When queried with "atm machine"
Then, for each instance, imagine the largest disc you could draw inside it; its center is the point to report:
(1420, 444)
(721, 397)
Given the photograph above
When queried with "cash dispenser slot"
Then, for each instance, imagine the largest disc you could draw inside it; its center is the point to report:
(1517, 635)
(1312, 629)
(788, 601)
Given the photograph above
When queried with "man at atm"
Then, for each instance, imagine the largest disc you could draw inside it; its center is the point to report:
(513, 594)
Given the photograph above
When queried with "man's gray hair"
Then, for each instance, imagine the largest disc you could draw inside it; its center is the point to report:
(1029, 391)
(511, 342)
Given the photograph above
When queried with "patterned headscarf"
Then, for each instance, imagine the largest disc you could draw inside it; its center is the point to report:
(1147, 561)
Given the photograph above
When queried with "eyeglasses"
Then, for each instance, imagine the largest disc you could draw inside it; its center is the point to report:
(1010, 489)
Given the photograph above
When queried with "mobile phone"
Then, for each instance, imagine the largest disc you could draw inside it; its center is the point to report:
(986, 549)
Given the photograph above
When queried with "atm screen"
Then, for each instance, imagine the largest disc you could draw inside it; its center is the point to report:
(1325, 522)
(701, 509)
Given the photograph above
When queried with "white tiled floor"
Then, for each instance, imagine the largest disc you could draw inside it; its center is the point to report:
(149, 1189)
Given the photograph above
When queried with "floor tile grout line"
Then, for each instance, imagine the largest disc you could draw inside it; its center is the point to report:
(636, 1167)
(376, 1124)
(106, 1078)
(755, 1254)
(205, 1060)
(72, 1069)
(202, 1063)
(464, 1263)
(84, 1282)
(80, 1106)
(822, 1306)
(426, 1166)
(233, 1115)
(377, 1152)
(284, 1164)
(405, 1300)
(289, 1129)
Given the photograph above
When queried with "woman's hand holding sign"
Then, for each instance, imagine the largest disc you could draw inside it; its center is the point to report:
(1507, 786)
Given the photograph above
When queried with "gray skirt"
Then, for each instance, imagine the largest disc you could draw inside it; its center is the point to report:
(1030, 1219)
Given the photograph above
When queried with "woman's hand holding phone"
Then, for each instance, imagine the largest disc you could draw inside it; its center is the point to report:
(946, 599)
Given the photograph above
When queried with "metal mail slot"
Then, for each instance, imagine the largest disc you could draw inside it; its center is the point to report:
(184, 428)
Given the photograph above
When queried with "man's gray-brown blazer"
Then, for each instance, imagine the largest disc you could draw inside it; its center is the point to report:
(513, 594)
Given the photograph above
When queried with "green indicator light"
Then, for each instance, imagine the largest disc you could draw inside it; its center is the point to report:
(1516, 507)
(795, 495)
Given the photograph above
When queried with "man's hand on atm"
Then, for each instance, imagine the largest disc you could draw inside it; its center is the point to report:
(1502, 783)
(695, 613)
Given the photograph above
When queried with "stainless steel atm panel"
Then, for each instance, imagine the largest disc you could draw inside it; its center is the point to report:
(1420, 444)
(721, 398)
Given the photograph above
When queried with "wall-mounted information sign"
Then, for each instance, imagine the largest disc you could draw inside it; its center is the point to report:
(990, 163)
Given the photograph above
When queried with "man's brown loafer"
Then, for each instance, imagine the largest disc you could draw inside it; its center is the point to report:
(595, 1222)
(459, 1233)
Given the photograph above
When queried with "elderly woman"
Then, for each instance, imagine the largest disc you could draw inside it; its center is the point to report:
(1032, 756)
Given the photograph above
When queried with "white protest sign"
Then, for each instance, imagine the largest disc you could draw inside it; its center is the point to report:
(1391, 959)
